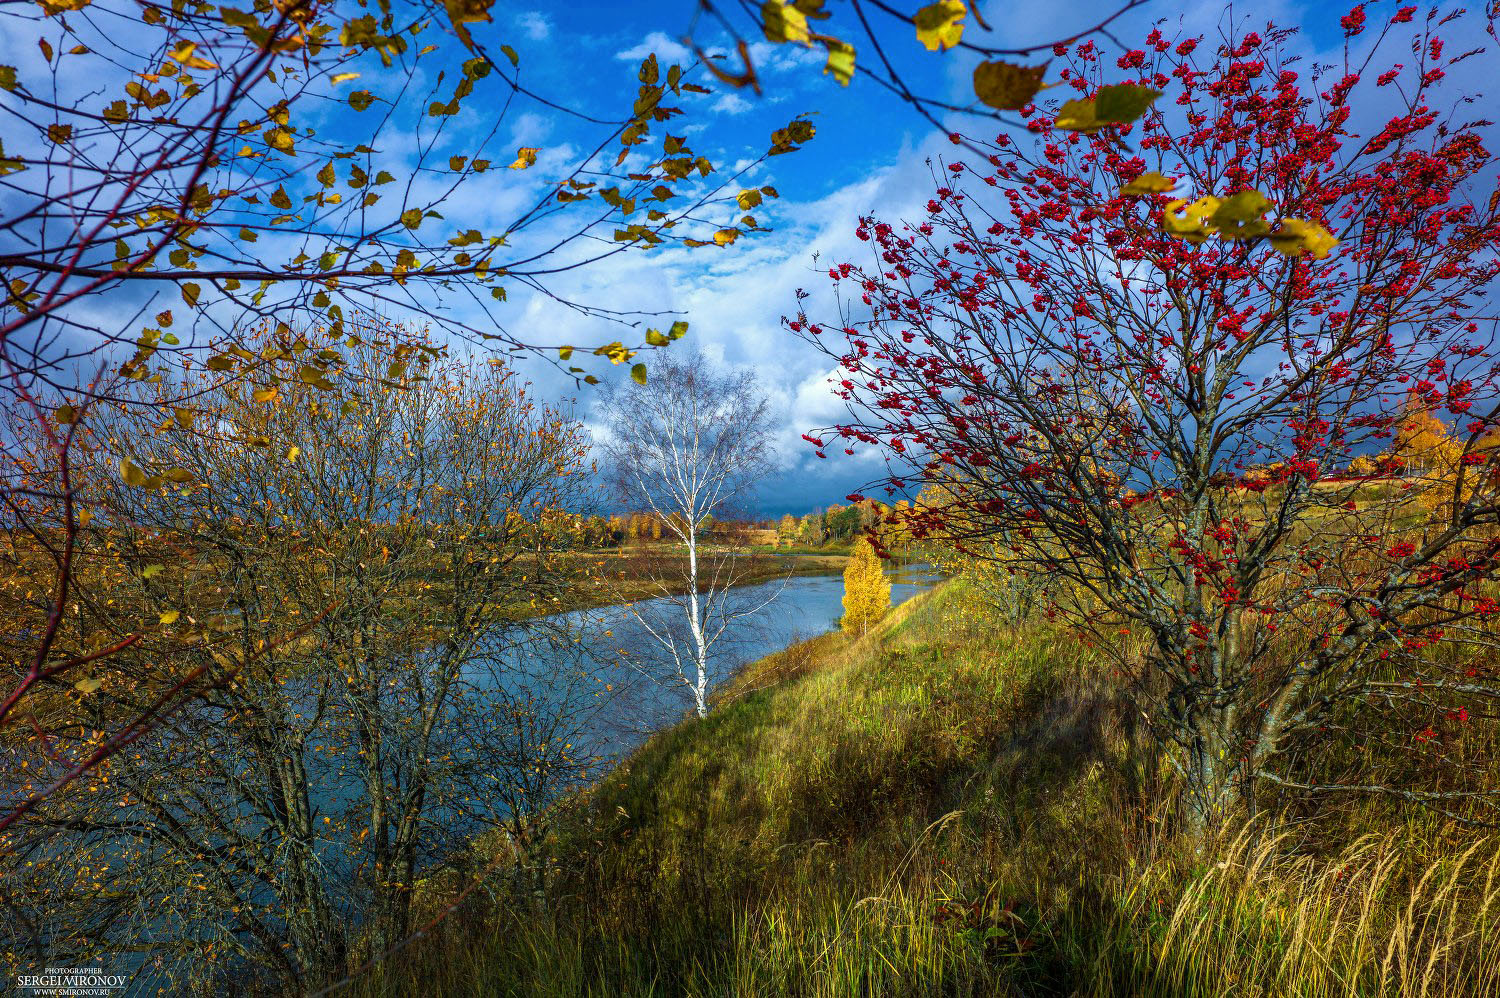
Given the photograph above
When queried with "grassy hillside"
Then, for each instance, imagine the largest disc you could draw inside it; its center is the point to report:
(949, 808)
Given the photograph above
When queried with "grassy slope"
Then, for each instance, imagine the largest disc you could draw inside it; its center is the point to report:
(944, 808)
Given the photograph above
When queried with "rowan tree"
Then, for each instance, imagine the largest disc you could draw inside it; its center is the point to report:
(867, 592)
(1091, 363)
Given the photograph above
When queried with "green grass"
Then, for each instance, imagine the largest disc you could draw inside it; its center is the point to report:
(945, 808)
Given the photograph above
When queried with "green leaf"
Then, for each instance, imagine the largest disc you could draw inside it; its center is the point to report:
(510, 54)
(150, 570)
(326, 176)
(1078, 115)
(1239, 216)
(679, 330)
(7, 77)
(655, 338)
(411, 217)
(1121, 103)
(638, 373)
(1005, 86)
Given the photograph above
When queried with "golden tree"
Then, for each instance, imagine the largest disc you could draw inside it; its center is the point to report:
(867, 592)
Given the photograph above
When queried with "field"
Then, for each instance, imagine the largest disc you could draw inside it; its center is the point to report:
(951, 808)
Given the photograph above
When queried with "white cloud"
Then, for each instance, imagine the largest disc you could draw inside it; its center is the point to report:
(730, 104)
(534, 24)
(666, 49)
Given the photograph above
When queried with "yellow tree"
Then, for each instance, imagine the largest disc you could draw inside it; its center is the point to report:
(1422, 440)
(867, 592)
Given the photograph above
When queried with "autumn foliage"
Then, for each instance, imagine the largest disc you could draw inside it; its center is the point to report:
(867, 592)
(1139, 359)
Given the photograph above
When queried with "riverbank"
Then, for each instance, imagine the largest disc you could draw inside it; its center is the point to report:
(624, 575)
(947, 806)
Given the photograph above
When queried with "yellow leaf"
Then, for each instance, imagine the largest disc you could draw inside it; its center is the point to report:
(1189, 221)
(747, 199)
(291, 455)
(1298, 235)
(1149, 183)
(938, 26)
(638, 373)
(87, 686)
(525, 157)
(265, 394)
(840, 60)
(150, 570)
(343, 77)
(183, 53)
(726, 236)
(190, 293)
(170, 617)
(131, 474)
(783, 23)
(280, 138)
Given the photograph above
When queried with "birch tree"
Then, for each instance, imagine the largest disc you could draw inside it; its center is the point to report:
(690, 444)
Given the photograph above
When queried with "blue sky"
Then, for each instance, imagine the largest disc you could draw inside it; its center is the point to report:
(868, 156)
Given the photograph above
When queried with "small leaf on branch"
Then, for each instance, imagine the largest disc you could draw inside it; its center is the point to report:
(840, 60)
(133, 475)
(525, 157)
(638, 373)
(783, 23)
(939, 26)
(1005, 86)
(1298, 235)
(1239, 216)
(1149, 183)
